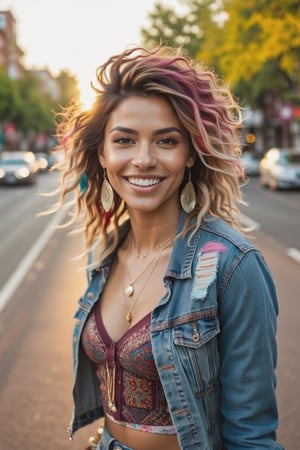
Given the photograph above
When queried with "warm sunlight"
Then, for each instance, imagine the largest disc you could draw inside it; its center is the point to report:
(87, 94)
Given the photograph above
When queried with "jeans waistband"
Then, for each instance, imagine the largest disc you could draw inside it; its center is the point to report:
(107, 442)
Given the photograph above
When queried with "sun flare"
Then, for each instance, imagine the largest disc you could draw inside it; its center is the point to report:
(87, 95)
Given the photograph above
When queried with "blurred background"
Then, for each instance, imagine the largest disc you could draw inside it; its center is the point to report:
(49, 52)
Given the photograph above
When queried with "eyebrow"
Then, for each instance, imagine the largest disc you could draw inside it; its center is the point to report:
(157, 132)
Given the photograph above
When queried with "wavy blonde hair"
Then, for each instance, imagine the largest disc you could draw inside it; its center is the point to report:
(206, 109)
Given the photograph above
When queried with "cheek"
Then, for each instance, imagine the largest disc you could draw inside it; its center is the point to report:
(114, 165)
(113, 168)
(177, 163)
(111, 159)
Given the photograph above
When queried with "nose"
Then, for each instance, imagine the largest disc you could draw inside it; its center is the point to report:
(144, 156)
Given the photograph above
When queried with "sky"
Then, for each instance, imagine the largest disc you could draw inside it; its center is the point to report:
(77, 35)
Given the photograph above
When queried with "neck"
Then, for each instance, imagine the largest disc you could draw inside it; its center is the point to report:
(150, 233)
(142, 251)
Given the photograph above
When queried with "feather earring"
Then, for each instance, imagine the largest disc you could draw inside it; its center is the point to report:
(188, 196)
(83, 183)
(107, 194)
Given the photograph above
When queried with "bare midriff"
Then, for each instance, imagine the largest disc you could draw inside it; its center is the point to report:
(141, 440)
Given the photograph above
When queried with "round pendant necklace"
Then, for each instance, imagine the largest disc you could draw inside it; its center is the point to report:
(128, 315)
(129, 288)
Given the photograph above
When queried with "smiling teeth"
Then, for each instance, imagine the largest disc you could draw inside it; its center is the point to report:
(143, 181)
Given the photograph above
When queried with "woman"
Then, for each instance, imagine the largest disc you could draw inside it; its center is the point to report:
(174, 338)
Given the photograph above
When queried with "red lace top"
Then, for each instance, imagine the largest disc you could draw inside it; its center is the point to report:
(138, 393)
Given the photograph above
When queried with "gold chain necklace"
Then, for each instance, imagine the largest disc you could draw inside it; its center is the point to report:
(163, 244)
(110, 387)
(128, 315)
(129, 289)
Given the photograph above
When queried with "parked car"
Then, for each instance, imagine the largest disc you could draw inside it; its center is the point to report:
(250, 162)
(17, 168)
(280, 168)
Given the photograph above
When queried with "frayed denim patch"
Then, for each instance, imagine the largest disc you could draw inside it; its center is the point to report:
(206, 269)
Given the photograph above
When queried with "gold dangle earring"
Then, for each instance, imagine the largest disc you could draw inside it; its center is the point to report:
(107, 193)
(188, 196)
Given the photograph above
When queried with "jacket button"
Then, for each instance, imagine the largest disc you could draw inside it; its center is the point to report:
(195, 336)
(78, 321)
(90, 295)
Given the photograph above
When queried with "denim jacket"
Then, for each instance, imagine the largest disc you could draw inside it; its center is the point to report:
(213, 338)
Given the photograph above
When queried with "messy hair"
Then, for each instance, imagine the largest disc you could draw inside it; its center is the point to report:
(206, 109)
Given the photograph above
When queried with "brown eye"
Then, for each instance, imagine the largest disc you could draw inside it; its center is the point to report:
(168, 141)
(122, 140)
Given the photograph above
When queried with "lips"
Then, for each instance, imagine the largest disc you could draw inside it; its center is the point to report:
(143, 182)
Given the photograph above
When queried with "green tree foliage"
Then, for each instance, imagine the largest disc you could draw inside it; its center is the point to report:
(10, 100)
(260, 48)
(35, 112)
(253, 44)
(179, 30)
(30, 109)
(69, 90)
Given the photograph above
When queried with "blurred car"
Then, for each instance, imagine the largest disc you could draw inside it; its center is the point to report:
(250, 163)
(17, 168)
(42, 162)
(280, 169)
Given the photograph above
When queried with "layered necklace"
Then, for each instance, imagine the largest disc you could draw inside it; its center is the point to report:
(129, 289)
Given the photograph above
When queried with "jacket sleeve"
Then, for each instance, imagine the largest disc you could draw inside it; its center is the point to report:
(248, 314)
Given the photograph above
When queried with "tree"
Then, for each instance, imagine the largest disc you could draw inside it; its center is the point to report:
(187, 31)
(10, 100)
(260, 47)
(255, 45)
(31, 110)
(68, 87)
(35, 112)
(260, 56)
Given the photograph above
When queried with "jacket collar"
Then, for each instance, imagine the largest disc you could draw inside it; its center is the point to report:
(183, 252)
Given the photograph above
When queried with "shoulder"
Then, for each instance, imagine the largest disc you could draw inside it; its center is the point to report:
(230, 249)
(239, 257)
(215, 229)
(214, 239)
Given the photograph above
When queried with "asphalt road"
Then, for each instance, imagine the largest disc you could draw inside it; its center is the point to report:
(37, 306)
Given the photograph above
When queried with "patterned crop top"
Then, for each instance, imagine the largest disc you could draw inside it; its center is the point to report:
(127, 373)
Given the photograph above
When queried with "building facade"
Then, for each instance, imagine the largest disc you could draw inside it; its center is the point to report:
(11, 55)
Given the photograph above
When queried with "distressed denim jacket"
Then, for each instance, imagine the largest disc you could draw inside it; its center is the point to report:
(213, 338)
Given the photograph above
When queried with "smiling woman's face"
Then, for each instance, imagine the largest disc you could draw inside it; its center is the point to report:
(145, 153)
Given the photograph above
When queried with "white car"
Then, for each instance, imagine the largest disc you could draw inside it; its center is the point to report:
(280, 169)
(17, 168)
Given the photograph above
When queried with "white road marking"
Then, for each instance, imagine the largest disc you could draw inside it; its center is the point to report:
(254, 226)
(294, 253)
(249, 223)
(26, 263)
